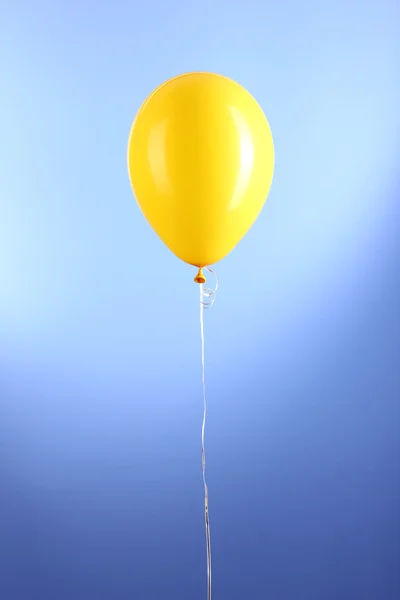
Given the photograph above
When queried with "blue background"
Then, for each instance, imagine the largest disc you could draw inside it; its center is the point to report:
(100, 381)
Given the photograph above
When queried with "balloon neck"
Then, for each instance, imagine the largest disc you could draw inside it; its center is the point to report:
(200, 277)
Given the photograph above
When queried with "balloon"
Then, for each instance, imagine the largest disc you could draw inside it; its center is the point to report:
(200, 161)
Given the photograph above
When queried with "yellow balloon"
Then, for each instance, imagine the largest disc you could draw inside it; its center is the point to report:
(201, 162)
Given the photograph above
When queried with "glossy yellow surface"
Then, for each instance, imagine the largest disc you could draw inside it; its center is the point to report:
(200, 161)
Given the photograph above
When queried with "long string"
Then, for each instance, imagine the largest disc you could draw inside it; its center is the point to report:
(203, 452)
(207, 297)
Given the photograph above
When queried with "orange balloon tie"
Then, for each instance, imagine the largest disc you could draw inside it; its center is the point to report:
(200, 277)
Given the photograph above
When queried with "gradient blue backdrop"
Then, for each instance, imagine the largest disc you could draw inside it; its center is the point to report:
(100, 412)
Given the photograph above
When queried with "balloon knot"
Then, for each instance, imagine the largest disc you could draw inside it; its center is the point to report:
(200, 277)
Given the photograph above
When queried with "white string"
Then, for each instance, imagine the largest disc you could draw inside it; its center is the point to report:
(207, 297)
